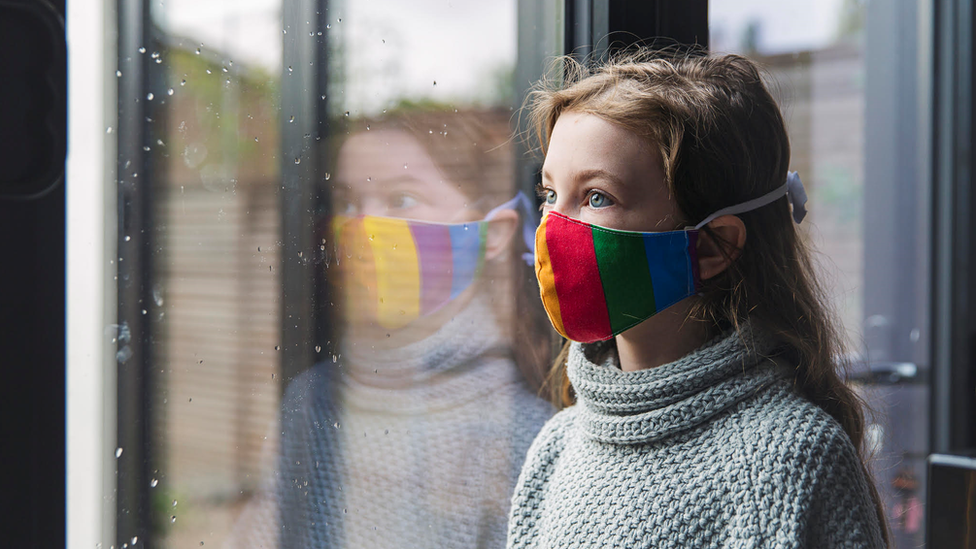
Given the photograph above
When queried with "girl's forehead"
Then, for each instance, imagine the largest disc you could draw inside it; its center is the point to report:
(587, 142)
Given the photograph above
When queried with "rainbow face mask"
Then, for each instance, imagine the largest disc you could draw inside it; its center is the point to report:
(398, 270)
(597, 282)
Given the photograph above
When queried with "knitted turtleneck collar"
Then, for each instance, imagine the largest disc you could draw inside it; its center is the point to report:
(467, 357)
(648, 405)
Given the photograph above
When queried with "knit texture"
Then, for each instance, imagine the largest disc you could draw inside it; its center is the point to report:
(413, 447)
(714, 450)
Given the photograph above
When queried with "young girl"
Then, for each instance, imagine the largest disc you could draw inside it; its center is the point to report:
(709, 411)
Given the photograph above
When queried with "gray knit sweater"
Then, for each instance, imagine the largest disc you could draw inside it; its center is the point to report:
(714, 450)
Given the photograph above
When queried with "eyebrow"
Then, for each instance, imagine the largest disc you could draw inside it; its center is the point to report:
(586, 175)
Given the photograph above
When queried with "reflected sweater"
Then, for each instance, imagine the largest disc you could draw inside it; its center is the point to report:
(714, 450)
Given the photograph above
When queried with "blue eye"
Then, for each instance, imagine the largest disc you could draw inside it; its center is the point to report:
(598, 200)
(550, 197)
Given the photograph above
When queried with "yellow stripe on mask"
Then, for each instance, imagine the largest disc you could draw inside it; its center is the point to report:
(547, 280)
(397, 271)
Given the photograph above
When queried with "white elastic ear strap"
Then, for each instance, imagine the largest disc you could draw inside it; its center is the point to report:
(793, 187)
(529, 222)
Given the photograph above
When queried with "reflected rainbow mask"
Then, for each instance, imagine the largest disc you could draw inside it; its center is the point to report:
(398, 270)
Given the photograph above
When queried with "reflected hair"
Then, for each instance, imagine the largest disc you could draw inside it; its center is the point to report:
(721, 140)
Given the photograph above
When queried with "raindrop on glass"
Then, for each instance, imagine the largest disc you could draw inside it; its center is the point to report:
(152, 484)
(170, 91)
(142, 50)
(108, 129)
(318, 348)
(172, 518)
(328, 176)
(134, 540)
(118, 74)
(118, 452)
(298, 160)
(255, 139)
(182, 82)
(291, 119)
(198, 51)
(209, 71)
(277, 348)
(128, 238)
(150, 96)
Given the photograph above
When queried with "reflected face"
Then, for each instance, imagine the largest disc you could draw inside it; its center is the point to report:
(388, 173)
(601, 173)
(399, 278)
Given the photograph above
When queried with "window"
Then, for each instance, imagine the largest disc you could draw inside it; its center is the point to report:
(851, 77)
(254, 407)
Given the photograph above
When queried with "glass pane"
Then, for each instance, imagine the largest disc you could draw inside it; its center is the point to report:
(849, 76)
(407, 425)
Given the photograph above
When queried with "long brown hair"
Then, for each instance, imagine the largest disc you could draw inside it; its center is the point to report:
(722, 141)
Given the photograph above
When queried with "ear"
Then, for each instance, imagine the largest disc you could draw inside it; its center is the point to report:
(731, 232)
(501, 229)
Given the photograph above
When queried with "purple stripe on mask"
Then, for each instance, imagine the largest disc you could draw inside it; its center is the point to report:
(433, 244)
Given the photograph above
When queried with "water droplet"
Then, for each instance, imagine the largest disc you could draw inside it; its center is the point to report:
(118, 452)
(290, 69)
(144, 311)
(328, 25)
(369, 179)
(128, 238)
(298, 160)
(118, 74)
(277, 348)
(170, 91)
(198, 51)
(183, 82)
(149, 96)
(435, 82)
(108, 129)
(291, 119)
(146, 148)
(328, 176)
(223, 69)
(371, 238)
(394, 246)
(172, 518)
(174, 503)
(346, 114)
(134, 540)
(386, 431)
(159, 141)
(152, 484)
(318, 348)
(255, 139)
(336, 425)
(404, 165)
(142, 50)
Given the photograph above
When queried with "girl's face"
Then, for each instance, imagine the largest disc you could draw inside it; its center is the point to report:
(600, 173)
(388, 173)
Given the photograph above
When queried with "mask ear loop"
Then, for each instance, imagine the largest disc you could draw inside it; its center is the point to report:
(523, 205)
(793, 189)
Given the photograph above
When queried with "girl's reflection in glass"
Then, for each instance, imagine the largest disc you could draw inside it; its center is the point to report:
(415, 436)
